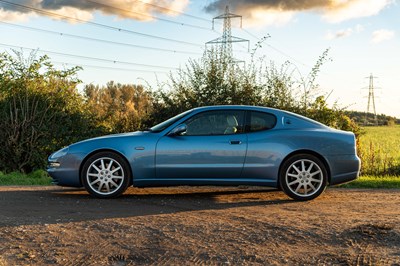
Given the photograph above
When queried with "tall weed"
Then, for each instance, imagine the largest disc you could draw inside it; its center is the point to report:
(379, 150)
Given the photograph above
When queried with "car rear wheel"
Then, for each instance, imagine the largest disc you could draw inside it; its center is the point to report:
(106, 175)
(303, 177)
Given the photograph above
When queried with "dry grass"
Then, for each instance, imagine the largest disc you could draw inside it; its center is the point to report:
(379, 151)
(2, 262)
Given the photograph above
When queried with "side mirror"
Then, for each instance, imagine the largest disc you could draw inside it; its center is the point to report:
(178, 130)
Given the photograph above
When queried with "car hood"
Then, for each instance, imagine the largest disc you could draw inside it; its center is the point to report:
(107, 138)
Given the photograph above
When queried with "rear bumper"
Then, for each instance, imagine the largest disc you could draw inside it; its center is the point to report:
(344, 178)
(345, 168)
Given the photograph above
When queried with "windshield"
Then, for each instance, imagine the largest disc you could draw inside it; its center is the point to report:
(163, 125)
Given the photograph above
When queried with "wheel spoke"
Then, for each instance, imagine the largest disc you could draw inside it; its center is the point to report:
(102, 165)
(310, 167)
(92, 174)
(295, 168)
(100, 187)
(95, 181)
(298, 187)
(315, 173)
(109, 165)
(96, 168)
(107, 187)
(315, 180)
(294, 182)
(303, 166)
(116, 169)
(113, 183)
(304, 189)
(117, 177)
(312, 187)
(293, 175)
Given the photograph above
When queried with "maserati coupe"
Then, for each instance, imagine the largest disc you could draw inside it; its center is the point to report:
(214, 146)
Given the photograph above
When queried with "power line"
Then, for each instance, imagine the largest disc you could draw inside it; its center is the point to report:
(112, 68)
(174, 11)
(99, 24)
(86, 57)
(94, 39)
(277, 50)
(249, 33)
(151, 16)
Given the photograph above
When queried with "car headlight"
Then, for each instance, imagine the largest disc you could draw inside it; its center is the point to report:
(59, 153)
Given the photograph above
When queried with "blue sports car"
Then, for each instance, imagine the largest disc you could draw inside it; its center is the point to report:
(216, 145)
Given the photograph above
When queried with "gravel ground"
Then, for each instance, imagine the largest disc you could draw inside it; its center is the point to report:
(198, 225)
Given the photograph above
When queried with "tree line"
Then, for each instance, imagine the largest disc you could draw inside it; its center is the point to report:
(369, 119)
(42, 110)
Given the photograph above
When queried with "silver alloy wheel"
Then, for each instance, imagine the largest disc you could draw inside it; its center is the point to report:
(105, 176)
(304, 178)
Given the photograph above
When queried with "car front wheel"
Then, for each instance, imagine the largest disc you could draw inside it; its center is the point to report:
(303, 177)
(106, 175)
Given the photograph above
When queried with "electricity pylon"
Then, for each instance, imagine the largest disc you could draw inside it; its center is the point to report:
(227, 39)
(371, 100)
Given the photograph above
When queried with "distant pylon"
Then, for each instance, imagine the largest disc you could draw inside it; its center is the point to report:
(371, 99)
(227, 39)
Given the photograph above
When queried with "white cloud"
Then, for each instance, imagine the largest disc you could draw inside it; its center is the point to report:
(128, 9)
(6, 15)
(341, 10)
(73, 13)
(382, 35)
(279, 12)
(261, 17)
(343, 33)
(339, 34)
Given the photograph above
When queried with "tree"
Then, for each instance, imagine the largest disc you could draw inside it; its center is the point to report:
(212, 80)
(40, 109)
(216, 80)
(118, 107)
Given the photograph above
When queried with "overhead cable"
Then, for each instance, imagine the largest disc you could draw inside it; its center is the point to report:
(86, 57)
(150, 16)
(94, 39)
(52, 14)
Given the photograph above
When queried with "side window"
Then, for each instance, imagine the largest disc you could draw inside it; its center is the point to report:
(261, 121)
(215, 123)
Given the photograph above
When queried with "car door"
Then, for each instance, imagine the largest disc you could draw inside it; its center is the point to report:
(264, 151)
(212, 146)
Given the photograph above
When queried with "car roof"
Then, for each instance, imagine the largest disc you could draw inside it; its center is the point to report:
(274, 111)
(242, 107)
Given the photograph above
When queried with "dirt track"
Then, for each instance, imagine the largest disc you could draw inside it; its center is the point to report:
(186, 226)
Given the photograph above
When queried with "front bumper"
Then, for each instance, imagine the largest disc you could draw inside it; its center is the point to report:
(65, 170)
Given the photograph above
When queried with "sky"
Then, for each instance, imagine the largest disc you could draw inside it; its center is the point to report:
(145, 41)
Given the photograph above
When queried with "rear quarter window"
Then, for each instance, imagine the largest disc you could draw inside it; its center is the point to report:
(259, 121)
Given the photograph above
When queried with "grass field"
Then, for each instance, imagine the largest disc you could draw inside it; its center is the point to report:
(38, 177)
(379, 150)
(374, 182)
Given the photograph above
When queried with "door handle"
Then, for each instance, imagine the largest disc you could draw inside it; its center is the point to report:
(235, 142)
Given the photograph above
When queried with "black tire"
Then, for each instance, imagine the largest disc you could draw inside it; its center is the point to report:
(106, 175)
(303, 177)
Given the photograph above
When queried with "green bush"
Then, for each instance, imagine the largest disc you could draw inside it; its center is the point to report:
(38, 177)
(216, 79)
(40, 110)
